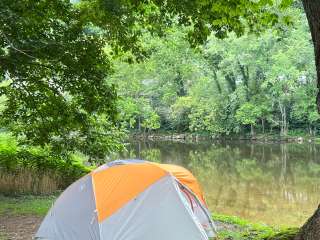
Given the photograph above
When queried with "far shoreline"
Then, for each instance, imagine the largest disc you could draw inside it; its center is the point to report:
(195, 137)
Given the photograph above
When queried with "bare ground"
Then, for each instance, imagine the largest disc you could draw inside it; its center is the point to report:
(19, 227)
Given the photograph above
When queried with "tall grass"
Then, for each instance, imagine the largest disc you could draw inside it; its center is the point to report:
(26, 181)
(35, 170)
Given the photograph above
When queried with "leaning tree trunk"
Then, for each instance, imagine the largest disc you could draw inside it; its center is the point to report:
(311, 229)
(312, 9)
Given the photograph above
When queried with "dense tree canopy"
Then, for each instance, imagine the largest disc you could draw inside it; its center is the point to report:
(54, 63)
(120, 18)
(226, 86)
(52, 75)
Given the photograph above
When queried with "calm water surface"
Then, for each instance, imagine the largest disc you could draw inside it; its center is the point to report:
(277, 184)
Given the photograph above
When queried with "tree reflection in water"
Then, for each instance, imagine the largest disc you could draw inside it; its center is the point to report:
(272, 183)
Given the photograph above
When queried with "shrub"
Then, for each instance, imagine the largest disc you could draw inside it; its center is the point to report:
(27, 169)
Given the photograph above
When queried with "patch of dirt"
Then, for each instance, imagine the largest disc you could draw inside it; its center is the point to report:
(19, 227)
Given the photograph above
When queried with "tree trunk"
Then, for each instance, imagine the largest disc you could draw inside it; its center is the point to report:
(245, 75)
(262, 122)
(311, 229)
(312, 9)
(139, 124)
(217, 82)
(284, 123)
(310, 130)
(252, 130)
(231, 80)
(181, 91)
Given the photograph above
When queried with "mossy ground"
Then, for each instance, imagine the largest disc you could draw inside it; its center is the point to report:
(242, 230)
(252, 231)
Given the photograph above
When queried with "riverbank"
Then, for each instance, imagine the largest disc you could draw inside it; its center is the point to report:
(20, 218)
(193, 137)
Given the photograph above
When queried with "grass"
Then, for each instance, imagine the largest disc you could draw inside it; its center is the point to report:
(33, 205)
(245, 230)
(252, 231)
(27, 181)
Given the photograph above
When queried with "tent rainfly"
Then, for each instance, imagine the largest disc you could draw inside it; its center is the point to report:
(130, 200)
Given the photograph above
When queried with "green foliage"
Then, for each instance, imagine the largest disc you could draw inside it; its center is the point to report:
(180, 112)
(248, 113)
(52, 74)
(8, 143)
(209, 117)
(41, 160)
(152, 121)
(304, 109)
(265, 81)
(205, 17)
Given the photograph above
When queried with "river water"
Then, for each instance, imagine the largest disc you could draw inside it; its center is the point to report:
(273, 183)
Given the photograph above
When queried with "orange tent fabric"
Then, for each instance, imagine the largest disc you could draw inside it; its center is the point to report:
(122, 178)
(185, 177)
(118, 185)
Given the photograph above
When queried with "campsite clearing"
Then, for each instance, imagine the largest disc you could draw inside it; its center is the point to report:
(20, 218)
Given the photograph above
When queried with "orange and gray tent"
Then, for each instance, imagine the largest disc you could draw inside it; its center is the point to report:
(130, 200)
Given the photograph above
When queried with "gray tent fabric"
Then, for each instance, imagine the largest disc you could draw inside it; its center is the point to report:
(73, 215)
(156, 214)
(199, 211)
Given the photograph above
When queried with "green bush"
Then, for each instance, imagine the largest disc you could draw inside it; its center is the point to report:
(39, 161)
